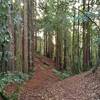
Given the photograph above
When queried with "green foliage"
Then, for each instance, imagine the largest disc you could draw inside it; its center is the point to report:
(4, 33)
(17, 18)
(14, 96)
(7, 9)
(4, 37)
(56, 14)
(62, 75)
(3, 16)
(8, 78)
(97, 40)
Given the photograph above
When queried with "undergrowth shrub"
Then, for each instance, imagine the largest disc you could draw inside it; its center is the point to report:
(9, 78)
(62, 74)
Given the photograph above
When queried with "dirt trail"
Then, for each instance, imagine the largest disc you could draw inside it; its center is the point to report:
(43, 77)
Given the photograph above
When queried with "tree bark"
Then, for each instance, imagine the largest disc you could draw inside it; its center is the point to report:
(25, 37)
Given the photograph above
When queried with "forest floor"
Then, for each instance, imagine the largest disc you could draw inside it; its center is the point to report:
(45, 85)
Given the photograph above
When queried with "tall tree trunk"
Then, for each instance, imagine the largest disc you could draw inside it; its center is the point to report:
(18, 44)
(12, 45)
(59, 50)
(99, 47)
(30, 35)
(78, 43)
(35, 40)
(73, 45)
(25, 52)
(65, 51)
(86, 40)
(44, 44)
(50, 46)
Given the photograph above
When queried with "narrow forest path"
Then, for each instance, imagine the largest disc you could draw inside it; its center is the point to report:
(42, 78)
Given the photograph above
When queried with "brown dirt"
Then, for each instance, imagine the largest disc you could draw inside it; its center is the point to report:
(42, 78)
(45, 86)
(80, 87)
(10, 88)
